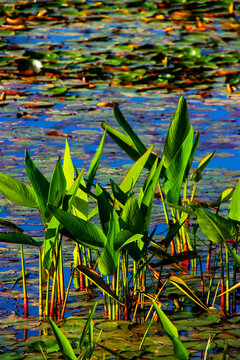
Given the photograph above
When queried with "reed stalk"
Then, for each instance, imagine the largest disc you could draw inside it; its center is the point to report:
(25, 298)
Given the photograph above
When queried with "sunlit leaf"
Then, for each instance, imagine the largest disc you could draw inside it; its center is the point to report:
(17, 192)
(234, 209)
(82, 231)
(175, 171)
(134, 172)
(68, 167)
(179, 283)
(141, 148)
(108, 258)
(63, 343)
(17, 238)
(177, 132)
(215, 227)
(98, 280)
(39, 182)
(197, 174)
(180, 351)
(95, 162)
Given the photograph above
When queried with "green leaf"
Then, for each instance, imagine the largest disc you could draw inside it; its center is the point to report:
(197, 174)
(148, 196)
(134, 172)
(82, 231)
(86, 327)
(177, 132)
(108, 259)
(234, 209)
(95, 162)
(127, 145)
(180, 284)
(50, 242)
(104, 208)
(71, 193)
(118, 193)
(215, 227)
(63, 343)
(131, 217)
(68, 167)
(39, 182)
(192, 154)
(17, 238)
(98, 280)
(124, 238)
(9, 225)
(57, 184)
(17, 192)
(141, 148)
(80, 203)
(180, 351)
(174, 174)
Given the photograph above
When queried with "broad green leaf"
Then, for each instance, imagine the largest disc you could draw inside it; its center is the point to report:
(18, 238)
(141, 148)
(71, 193)
(68, 167)
(82, 231)
(80, 203)
(180, 352)
(118, 193)
(104, 208)
(98, 280)
(125, 238)
(147, 200)
(177, 132)
(108, 259)
(197, 174)
(57, 183)
(134, 172)
(131, 217)
(127, 145)
(17, 192)
(234, 209)
(9, 225)
(174, 174)
(180, 284)
(215, 227)
(192, 154)
(95, 162)
(49, 244)
(63, 343)
(39, 183)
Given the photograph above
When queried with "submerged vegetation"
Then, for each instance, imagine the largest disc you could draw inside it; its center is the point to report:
(120, 252)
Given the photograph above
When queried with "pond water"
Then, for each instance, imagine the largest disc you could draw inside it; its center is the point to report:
(141, 54)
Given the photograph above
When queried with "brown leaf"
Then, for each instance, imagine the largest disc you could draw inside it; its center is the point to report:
(56, 133)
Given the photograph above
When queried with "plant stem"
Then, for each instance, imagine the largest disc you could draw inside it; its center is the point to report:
(40, 285)
(25, 299)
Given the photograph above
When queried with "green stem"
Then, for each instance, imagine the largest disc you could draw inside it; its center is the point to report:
(40, 285)
(25, 299)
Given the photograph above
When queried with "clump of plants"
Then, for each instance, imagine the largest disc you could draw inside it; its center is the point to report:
(119, 250)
